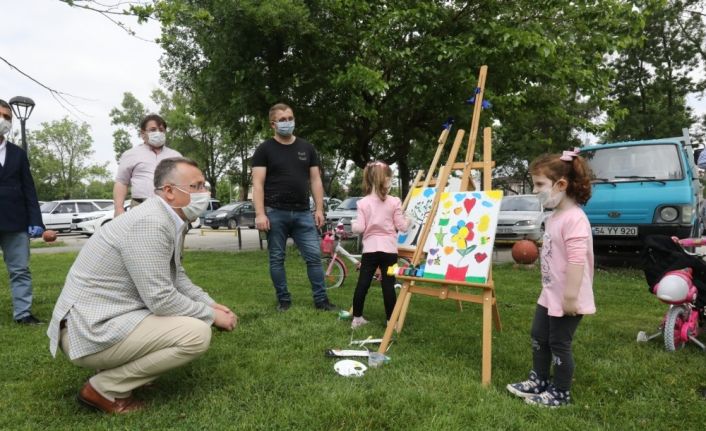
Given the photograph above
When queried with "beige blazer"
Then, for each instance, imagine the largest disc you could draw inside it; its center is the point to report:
(129, 269)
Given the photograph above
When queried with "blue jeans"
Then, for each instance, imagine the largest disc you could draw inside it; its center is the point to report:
(300, 226)
(15, 252)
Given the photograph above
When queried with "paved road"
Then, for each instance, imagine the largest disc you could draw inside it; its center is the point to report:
(216, 240)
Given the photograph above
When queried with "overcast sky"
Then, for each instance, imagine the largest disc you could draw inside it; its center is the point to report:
(82, 53)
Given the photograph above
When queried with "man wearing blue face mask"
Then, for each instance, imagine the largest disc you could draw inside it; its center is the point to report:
(284, 169)
(128, 309)
(136, 165)
(20, 218)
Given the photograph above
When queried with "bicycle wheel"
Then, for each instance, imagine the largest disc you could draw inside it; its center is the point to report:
(334, 272)
(676, 318)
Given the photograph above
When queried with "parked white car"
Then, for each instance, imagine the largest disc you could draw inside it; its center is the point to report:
(521, 217)
(88, 224)
(59, 215)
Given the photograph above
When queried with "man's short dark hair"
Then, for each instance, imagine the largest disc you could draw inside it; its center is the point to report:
(152, 117)
(165, 169)
(5, 105)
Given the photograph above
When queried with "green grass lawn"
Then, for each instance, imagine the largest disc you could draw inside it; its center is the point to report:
(271, 373)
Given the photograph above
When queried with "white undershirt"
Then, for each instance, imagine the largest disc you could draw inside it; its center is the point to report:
(179, 222)
(3, 151)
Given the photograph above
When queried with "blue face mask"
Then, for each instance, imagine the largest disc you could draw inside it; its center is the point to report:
(284, 128)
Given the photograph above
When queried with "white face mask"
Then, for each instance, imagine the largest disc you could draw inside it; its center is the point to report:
(156, 139)
(198, 204)
(5, 126)
(549, 199)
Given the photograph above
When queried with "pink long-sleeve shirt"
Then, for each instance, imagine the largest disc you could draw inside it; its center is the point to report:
(567, 239)
(378, 221)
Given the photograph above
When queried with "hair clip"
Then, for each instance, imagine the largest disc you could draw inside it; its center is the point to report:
(569, 155)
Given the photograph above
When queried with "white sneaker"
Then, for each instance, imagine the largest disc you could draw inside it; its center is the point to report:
(358, 322)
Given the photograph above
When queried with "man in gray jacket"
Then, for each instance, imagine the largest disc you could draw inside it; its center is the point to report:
(127, 308)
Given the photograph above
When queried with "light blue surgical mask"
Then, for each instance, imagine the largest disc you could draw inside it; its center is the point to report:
(284, 128)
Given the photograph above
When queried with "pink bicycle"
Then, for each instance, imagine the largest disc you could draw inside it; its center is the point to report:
(684, 319)
(333, 255)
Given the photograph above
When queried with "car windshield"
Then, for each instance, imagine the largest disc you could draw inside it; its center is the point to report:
(228, 207)
(635, 163)
(348, 204)
(47, 207)
(520, 203)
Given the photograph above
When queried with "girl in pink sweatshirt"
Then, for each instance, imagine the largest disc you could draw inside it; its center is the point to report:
(562, 182)
(378, 220)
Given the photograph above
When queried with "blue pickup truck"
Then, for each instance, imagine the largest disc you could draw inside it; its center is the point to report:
(643, 188)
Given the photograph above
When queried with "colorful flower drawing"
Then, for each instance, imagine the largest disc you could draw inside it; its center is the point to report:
(463, 234)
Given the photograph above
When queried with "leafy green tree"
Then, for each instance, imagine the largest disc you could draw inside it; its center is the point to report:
(63, 151)
(127, 118)
(375, 79)
(658, 71)
(355, 186)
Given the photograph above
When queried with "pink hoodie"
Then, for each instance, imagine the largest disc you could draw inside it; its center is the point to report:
(379, 222)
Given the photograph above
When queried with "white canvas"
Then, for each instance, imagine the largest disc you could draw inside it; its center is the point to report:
(460, 244)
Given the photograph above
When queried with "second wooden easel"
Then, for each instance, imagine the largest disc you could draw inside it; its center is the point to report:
(440, 288)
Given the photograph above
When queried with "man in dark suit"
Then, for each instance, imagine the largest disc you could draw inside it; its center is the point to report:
(20, 218)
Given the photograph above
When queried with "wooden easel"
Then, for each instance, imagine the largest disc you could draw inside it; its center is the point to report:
(440, 288)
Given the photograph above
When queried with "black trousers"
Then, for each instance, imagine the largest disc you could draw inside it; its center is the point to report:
(551, 344)
(369, 263)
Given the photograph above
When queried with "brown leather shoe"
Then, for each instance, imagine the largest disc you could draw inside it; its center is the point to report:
(91, 398)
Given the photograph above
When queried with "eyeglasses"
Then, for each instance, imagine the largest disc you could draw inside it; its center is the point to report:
(198, 187)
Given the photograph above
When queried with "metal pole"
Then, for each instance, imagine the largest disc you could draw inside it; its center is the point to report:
(24, 136)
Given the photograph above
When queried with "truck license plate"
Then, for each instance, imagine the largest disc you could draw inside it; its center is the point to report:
(614, 230)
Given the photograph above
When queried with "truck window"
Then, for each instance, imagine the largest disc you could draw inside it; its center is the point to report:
(653, 162)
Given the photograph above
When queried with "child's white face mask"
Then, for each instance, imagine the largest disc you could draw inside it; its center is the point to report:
(545, 190)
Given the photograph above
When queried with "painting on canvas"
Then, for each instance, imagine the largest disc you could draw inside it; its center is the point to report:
(460, 244)
(418, 208)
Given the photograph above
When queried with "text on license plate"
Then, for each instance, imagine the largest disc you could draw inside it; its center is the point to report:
(614, 230)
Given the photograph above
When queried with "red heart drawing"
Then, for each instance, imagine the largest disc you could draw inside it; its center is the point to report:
(480, 257)
(469, 204)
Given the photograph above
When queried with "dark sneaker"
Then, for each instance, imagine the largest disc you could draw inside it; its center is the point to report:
(530, 387)
(551, 398)
(284, 305)
(325, 306)
(29, 320)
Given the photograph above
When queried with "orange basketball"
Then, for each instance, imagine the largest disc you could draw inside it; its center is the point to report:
(525, 252)
(49, 236)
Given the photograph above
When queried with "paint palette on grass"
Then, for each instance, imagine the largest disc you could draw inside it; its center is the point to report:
(460, 244)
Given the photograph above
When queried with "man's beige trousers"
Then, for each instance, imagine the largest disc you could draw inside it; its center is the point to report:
(158, 344)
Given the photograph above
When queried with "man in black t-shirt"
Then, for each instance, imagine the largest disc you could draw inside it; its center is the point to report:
(283, 170)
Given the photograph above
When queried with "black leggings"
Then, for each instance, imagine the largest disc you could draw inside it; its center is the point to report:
(369, 263)
(551, 343)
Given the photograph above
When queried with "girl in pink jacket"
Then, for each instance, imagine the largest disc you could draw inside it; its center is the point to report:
(562, 183)
(378, 220)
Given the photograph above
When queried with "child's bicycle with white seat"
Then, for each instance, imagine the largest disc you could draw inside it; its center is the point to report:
(684, 320)
(333, 255)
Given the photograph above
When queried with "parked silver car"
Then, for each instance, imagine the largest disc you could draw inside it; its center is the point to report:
(345, 211)
(521, 217)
